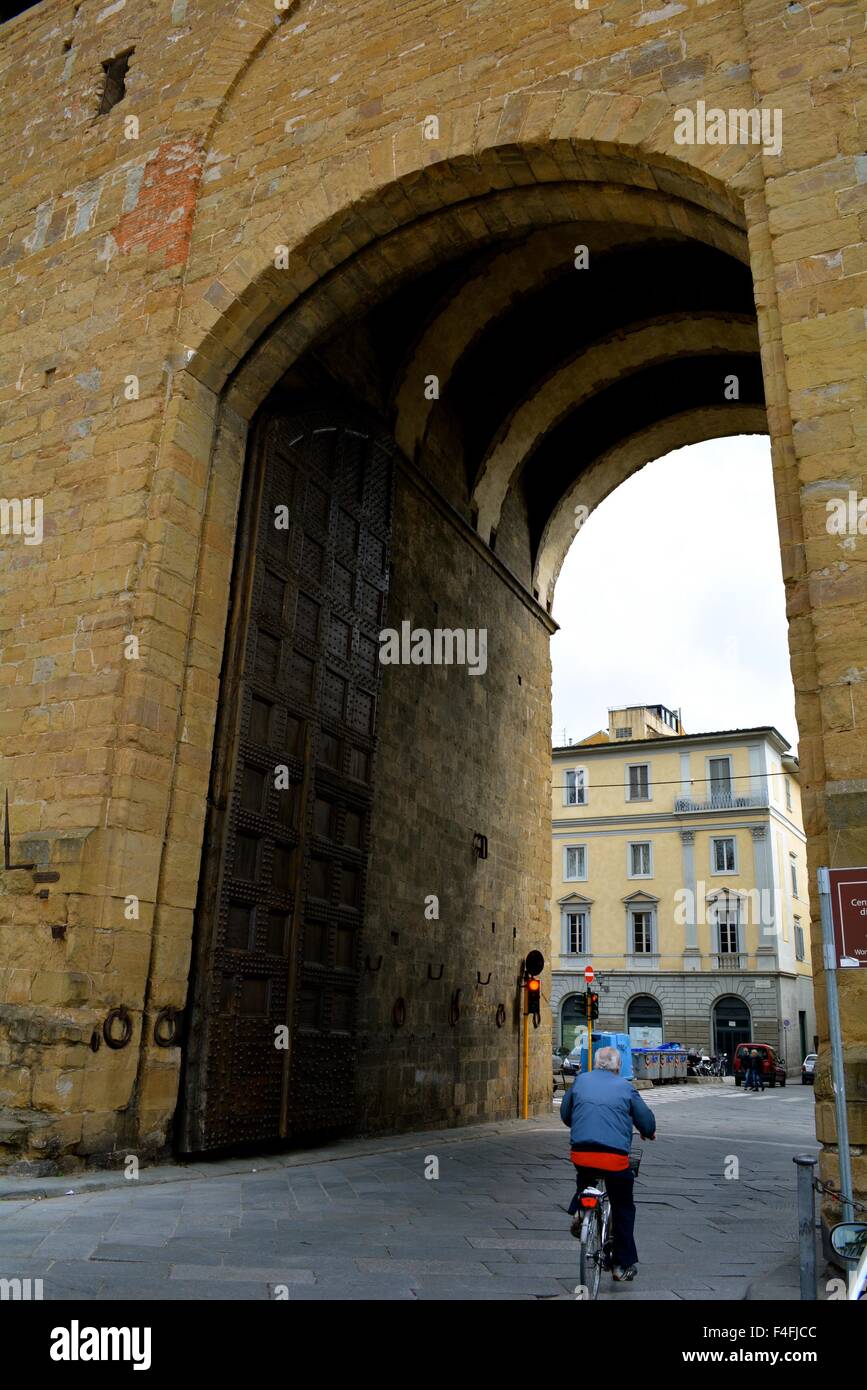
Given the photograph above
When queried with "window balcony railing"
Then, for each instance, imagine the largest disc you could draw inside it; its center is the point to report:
(722, 801)
(730, 960)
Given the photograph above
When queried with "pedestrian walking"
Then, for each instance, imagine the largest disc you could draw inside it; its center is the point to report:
(755, 1081)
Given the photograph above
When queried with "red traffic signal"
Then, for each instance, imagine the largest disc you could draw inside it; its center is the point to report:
(534, 996)
(593, 999)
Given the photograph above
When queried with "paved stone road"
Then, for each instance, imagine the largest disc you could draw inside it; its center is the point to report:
(361, 1220)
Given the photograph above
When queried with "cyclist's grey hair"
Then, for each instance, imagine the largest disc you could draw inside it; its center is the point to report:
(608, 1059)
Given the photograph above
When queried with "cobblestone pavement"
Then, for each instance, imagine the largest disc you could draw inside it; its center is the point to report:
(362, 1221)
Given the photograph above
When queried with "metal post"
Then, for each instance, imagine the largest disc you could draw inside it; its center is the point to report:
(525, 1068)
(806, 1226)
(834, 1034)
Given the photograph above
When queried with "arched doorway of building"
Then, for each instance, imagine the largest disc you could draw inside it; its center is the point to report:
(571, 1020)
(644, 1021)
(731, 1026)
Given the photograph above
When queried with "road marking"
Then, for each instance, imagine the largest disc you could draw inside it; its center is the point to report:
(727, 1139)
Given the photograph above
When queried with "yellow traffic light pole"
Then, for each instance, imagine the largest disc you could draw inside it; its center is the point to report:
(525, 1069)
(531, 988)
(589, 1032)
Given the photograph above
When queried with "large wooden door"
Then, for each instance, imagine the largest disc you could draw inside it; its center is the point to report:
(272, 1022)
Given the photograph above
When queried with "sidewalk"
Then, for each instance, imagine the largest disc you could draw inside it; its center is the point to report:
(362, 1220)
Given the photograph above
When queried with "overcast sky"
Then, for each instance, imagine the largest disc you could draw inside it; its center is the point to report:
(672, 593)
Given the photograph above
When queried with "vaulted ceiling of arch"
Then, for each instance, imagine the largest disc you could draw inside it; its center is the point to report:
(543, 368)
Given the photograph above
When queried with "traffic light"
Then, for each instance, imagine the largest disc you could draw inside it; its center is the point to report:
(533, 966)
(581, 1005)
(594, 1004)
(534, 998)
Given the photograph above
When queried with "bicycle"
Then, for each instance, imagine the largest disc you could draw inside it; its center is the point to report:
(596, 1249)
(594, 1253)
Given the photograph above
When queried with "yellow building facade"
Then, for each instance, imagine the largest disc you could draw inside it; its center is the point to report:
(680, 875)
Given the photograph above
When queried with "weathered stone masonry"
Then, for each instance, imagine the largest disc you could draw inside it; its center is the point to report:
(144, 324)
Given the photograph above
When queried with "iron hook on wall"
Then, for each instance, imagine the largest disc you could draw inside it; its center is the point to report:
(121, 1016)
(431, 975)
(479, 979)
(373, 968)
(480, 845)
(167, 1027)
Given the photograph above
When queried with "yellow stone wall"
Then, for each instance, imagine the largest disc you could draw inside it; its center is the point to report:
(148, 252)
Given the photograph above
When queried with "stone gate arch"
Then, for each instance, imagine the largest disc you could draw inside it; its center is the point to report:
(473, 229)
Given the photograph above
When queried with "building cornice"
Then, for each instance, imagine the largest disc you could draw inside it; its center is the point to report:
(663, 820)
(584, 750)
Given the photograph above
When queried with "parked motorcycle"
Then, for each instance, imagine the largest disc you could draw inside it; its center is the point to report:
(696, 1062)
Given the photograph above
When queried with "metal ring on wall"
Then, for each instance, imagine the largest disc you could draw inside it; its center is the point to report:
(398, 1013)
(454, 1008)
(122, 1016)
(171, 1018)
(500, 1016)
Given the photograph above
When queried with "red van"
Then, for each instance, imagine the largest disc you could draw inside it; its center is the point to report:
(772, 1067)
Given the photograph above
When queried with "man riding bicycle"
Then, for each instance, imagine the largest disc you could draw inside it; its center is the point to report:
(601, 1108)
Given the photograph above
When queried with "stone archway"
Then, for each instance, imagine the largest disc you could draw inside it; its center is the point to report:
(645, 1011)
(732, 1025)
(394, 302)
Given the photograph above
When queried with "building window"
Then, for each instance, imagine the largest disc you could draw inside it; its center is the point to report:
(640, 860)
(625, 732)
(727, 929)
(720, 780)
(642, 933)
(639, 782)
(788, 794)
(575, 865)
(793, 869)
(576, 787)
(799, 940)
(723, 856)
(575, 933)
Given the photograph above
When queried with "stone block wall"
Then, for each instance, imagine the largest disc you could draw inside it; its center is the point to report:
(455, 757)
(145, 321)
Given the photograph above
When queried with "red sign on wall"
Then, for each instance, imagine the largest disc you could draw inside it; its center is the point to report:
(849, 915)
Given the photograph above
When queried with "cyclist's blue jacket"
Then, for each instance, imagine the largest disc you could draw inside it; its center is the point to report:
(600, 1109)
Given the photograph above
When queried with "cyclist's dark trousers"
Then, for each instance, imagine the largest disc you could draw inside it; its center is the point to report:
(619, 1186)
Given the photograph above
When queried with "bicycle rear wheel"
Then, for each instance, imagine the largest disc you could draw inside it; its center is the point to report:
(594, 1234)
